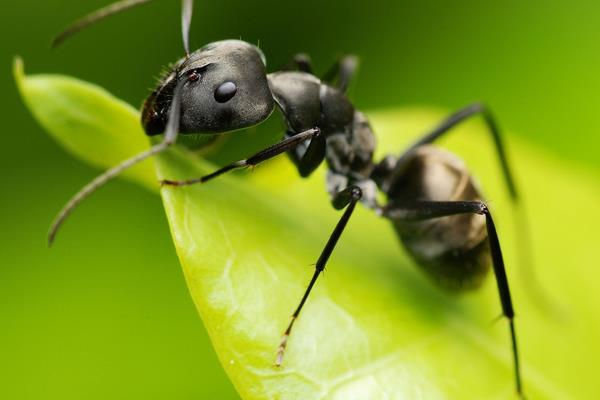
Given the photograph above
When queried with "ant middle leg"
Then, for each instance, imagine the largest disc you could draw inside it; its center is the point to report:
(346, 198)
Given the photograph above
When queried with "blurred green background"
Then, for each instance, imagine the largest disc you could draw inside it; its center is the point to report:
(106, 313)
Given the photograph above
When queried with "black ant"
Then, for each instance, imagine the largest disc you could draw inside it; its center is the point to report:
(432, 200)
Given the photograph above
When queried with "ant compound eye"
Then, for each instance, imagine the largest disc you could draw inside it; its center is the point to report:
(193, 76)
(225, 92)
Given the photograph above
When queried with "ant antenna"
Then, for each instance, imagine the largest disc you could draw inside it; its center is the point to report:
(170, 137)
(94, 17)
(186, 20)
(115, 8)
(171, 130)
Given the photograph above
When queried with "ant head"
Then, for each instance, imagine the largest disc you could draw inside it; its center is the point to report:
(225, 89)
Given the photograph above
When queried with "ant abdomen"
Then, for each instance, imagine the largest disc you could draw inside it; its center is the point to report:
(454, 249)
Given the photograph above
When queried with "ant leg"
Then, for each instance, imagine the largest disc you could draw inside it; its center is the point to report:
(300, 61)
(170, 137)
(343, 71)
(307, 157)
(187, 9)
(263, 155)
(423, 210)
(452, 121)
(344, 198)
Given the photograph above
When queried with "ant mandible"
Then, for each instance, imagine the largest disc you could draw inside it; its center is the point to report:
(432, 200)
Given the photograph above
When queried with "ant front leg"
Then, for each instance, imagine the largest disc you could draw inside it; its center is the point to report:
(308, 156)
(346, 198)
(424, 210)
(285, 145)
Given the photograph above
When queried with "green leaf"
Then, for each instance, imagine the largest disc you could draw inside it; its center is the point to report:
(374, 326)
(86, 120)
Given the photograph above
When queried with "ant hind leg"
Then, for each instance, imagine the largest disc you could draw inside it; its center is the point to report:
(424, 210)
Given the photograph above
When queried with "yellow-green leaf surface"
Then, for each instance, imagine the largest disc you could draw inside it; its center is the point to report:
(374, 327)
